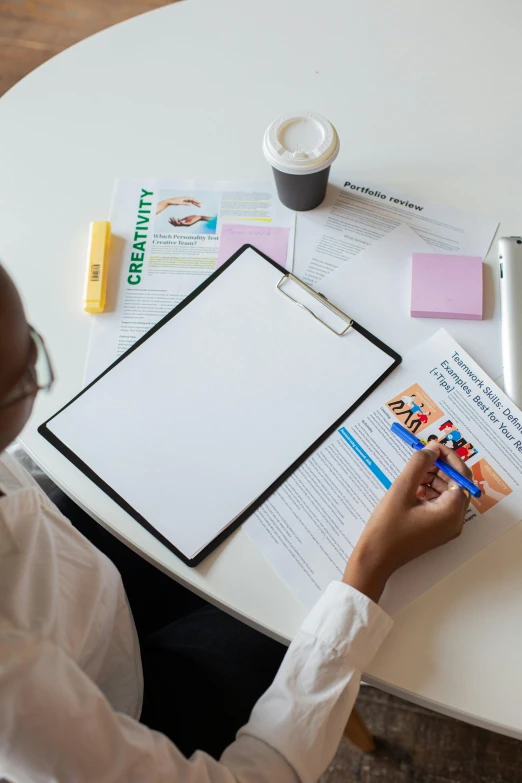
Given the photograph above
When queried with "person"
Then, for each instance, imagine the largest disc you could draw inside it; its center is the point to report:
(398, 405)
(422, 418)
(71, 681)
(429, 439)
(452, 438)
(415, 408)
(465, 451)
(451, 435)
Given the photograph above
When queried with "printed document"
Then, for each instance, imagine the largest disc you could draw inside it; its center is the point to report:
(354, 215)
(309, 527)
(165, 237)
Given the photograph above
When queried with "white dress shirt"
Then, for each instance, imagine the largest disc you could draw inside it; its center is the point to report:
(71, 683)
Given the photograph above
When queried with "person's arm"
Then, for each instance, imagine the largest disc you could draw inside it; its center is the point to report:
(293, 732)
(175, 201)
(190, 220)
(423, 509)
(61, 727)
(304, 713)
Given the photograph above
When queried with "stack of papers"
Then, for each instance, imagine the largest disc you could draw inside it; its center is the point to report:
(354, 216)
(355, 249)
(167, 237)
(309, 527)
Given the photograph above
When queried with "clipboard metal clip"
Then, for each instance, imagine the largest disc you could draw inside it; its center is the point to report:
(319, 298)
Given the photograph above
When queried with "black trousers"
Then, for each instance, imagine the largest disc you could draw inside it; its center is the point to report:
(203, 669)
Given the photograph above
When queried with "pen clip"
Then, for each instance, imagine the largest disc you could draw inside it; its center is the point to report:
(318, 298)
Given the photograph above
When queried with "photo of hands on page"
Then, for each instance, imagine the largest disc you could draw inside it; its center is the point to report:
(168, 236)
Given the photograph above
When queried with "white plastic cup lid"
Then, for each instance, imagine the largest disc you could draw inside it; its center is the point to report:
(301, 143)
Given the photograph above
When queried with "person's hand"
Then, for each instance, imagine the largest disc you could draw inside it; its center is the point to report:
(188, 221)
(175, 201)
(422, 510)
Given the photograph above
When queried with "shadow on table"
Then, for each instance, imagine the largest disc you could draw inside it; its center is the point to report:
(488, 283)
(113, 279)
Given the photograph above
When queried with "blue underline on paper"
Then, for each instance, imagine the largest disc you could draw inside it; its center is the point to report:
(377, 472)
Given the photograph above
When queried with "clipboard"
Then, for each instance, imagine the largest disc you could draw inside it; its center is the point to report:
(208, 413)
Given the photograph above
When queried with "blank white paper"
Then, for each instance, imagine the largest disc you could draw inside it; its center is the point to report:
(196, 423)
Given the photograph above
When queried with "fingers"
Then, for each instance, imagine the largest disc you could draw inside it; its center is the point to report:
(426, 492)
(430, 473)
(422, 480)
(454, 501)
(440, 481)
(417, 469)
(455, 462)
(439, 484)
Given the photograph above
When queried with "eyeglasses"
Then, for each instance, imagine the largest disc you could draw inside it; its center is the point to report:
(37, 376)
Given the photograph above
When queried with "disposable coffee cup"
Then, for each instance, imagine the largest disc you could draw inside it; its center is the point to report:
(301, 148)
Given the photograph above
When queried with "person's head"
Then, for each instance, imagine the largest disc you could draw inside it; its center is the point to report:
(469, 446)
(432, 437)
(21, 350)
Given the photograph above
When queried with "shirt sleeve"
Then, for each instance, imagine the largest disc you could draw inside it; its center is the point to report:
(57, 725)
(304, 713)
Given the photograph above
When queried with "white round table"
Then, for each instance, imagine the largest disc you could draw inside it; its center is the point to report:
(425, 98)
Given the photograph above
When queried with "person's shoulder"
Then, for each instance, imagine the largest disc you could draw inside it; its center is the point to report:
(52, 579)
(13, 476)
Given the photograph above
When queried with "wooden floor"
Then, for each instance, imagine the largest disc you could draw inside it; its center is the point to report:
(32, 31)
(413, 745)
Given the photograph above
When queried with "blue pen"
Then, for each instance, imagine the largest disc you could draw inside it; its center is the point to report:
(412, 440)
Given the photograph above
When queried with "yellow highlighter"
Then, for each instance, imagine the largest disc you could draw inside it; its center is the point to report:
(98, 262)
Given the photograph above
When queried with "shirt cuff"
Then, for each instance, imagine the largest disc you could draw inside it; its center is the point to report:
(348, 622)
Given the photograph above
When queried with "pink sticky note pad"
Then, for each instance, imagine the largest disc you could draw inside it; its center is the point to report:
(446, 286)
(270, 240)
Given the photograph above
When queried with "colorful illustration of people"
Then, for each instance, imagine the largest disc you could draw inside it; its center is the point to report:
(399, 404)
(453, 439)
(488, 490)
(422, 415)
